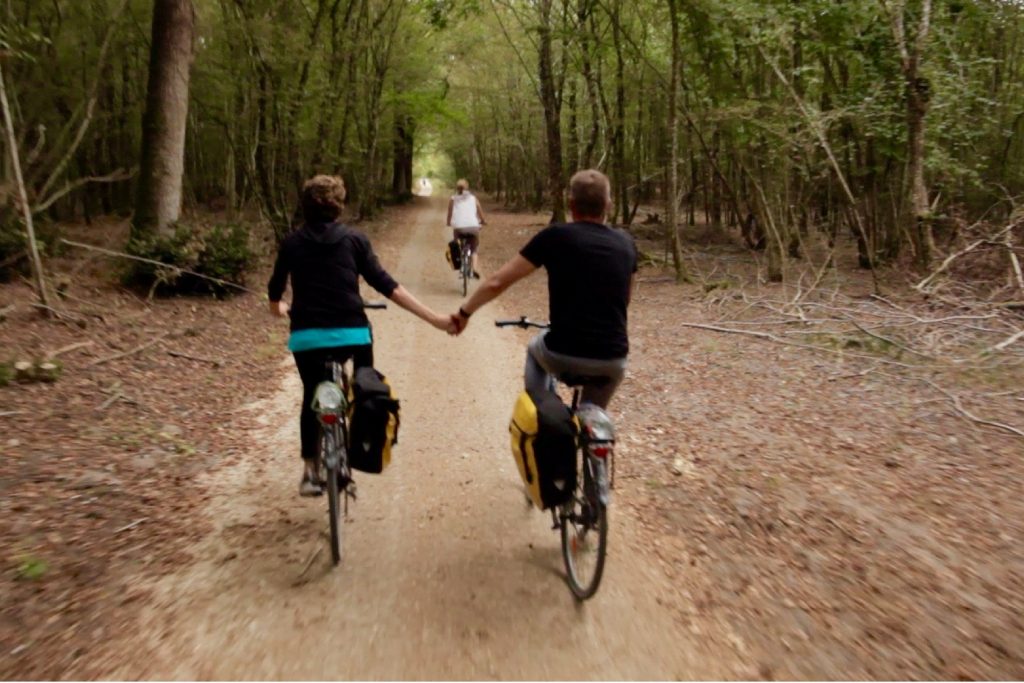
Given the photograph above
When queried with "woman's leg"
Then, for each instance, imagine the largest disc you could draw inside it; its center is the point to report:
(311, 369)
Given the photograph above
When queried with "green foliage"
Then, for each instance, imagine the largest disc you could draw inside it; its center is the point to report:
(221, 251)
(12, 243)
(6, 373)
(18, 42)
(31, 568)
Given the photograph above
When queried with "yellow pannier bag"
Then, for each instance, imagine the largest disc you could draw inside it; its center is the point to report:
(543, 435)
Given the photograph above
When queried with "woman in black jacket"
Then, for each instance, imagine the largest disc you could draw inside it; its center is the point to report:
(325, 260)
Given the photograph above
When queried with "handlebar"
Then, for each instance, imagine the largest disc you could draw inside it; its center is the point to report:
(375, 304)
(523, 323)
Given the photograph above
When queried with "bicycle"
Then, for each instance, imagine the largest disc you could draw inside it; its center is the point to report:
(466, 262)
(330, 402)
(583, 519)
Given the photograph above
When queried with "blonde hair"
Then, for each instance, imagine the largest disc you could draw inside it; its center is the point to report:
(323, 197)
(461, 185)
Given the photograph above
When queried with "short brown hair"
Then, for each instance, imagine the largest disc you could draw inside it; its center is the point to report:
(323, 197)
(590, 193)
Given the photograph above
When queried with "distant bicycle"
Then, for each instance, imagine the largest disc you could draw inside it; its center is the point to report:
(466, 262)
(583, 520)
(330, 402)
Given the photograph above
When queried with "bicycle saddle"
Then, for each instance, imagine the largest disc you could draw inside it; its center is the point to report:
(583, 380)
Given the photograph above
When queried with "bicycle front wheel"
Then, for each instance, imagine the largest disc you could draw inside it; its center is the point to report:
(334, 511)
(584, 543)
(329, 461)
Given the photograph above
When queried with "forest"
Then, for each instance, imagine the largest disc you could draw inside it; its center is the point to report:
(815, 463)
(898, 125)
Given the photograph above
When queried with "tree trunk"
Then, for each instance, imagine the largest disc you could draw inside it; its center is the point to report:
(920, 227)
(158, 203)
(618, 137)
(911, 47)
(401, 173)
(26, 209)
(672, 196)
(552, 116)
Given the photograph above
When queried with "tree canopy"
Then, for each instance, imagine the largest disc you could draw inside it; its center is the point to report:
(885, 120)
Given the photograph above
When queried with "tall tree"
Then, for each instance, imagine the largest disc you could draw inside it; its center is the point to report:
(672, 196)
(551, 102)
(911, 41)
(158, 202)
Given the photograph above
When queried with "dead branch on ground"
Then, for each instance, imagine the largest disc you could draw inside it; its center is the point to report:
(199, 359)
(130, 352)
(963, 412)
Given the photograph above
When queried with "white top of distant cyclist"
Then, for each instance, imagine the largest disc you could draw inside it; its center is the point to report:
(464, 211)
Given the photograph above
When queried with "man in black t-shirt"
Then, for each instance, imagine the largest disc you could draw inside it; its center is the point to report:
(591, 269)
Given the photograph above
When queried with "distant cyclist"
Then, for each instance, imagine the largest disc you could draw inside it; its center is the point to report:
(325, 259)
(591, 269)
(466, 217)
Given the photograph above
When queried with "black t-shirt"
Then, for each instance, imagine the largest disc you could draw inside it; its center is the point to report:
(590, 267)
(325, 262)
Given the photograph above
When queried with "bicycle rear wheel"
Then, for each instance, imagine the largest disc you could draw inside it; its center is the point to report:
(584, 523)
(467, 269)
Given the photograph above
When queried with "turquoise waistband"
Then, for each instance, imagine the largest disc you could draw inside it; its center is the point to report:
(324, 338)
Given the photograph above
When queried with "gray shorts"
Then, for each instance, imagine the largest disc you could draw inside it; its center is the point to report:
(542, 364)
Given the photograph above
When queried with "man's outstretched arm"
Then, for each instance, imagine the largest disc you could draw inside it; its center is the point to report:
(506, 276)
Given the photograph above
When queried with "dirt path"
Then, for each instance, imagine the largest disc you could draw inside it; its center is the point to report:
(447, 573)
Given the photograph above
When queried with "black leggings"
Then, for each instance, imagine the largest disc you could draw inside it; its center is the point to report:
(311, 365)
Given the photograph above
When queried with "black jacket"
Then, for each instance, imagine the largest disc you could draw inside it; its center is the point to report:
(325, 262)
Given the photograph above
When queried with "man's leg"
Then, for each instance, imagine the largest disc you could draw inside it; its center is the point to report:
(557, 364)
(535, 378)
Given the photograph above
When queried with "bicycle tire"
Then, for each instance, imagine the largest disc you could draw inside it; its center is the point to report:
(334, 512)
(582, 587)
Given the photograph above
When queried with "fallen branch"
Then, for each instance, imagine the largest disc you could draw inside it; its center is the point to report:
(846, 532)
(10, 413)
(131, 352)
(212, 361)
(963, 412)
(1006, 342)
(115, 393)
(134, 524)
(61, 315)
(121, 254)
(862, 373)
(785, 342)
(920, 286)
(69, 348)
(887, 340)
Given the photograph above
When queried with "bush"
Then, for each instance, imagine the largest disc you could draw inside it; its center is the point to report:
(221, 251)
(12, 244)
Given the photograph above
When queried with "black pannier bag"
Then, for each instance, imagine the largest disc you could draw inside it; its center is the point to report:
(373, 421)
(454, 255)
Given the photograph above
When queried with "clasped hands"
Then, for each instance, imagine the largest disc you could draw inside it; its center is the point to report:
(454, 324)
